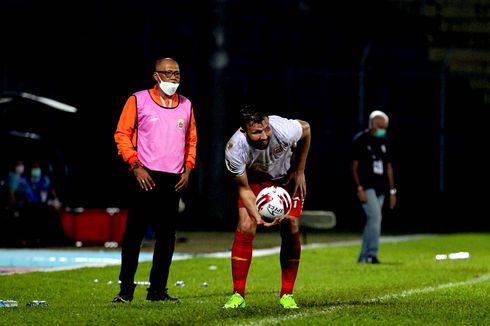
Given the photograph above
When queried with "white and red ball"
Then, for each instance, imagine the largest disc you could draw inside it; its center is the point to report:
(273, 202)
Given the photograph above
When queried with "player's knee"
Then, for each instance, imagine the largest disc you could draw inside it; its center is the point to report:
(247, 227)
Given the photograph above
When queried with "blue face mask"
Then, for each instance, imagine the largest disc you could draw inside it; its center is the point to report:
(380, 133)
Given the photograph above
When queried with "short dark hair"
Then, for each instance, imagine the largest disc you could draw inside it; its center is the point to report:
(250, 114)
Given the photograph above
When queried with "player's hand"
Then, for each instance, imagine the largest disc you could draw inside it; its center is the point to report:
(259, 220)
(361, 194)
(299, 184)
(275, 222)
(183, 180)
(271, 223)
(392, 201)
(143, 178)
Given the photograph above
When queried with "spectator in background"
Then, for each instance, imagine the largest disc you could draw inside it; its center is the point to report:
(41, 187)
(157, 137)
(372, 173)
(41, 215)
(18, 188)
(15, 193)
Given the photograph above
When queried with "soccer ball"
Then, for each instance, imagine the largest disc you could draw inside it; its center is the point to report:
(273, 202)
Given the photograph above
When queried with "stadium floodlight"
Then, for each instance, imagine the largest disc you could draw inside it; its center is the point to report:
(21, 134)
(6, 97)
(5, 100)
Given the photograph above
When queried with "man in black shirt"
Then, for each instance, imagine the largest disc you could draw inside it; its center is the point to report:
(372, 173)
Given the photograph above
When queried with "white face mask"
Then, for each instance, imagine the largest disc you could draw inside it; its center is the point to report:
(168, 88)
(19, 169)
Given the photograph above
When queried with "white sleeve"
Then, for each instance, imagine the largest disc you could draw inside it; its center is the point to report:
(289, 130)
(235, 159)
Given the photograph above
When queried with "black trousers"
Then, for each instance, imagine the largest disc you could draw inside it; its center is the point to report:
(158, 208)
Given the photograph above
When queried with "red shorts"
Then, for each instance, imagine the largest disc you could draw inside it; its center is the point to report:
(297, 203)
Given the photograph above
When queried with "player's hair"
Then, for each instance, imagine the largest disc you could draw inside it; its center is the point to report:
(250, 114)
(375, 114)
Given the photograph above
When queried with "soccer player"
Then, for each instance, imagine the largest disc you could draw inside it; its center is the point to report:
(264, 151)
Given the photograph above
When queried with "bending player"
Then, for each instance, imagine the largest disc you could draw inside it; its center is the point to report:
(267, 150)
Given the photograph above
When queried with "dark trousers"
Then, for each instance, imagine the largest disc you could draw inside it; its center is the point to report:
(157, 208)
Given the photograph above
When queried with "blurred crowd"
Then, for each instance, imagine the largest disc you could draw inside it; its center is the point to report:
(30, 207)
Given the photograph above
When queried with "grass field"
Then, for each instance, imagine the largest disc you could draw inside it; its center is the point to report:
(410, 287)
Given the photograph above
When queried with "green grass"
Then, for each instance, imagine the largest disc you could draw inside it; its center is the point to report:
(409, 288)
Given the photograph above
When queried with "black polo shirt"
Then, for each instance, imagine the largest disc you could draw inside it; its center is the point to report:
(373, 153)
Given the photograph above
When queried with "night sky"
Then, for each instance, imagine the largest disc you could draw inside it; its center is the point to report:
(300, 59)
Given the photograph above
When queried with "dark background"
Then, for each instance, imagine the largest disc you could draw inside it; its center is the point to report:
(327, 62)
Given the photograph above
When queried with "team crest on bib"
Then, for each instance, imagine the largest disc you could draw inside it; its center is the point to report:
(180, 123)
(276, 150)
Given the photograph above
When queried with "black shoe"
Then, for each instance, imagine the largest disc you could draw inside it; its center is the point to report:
(373, 260)
(160, 296)
(123, 298)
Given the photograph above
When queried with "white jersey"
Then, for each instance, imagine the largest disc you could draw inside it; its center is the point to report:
(267, 164)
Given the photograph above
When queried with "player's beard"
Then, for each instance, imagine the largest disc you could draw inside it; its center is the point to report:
(260, 144)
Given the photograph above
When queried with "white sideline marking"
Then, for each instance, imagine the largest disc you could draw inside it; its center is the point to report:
(406, 293)
(276, 250)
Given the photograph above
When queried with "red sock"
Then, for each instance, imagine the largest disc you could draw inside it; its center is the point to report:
(289, 258)
(241, 258)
